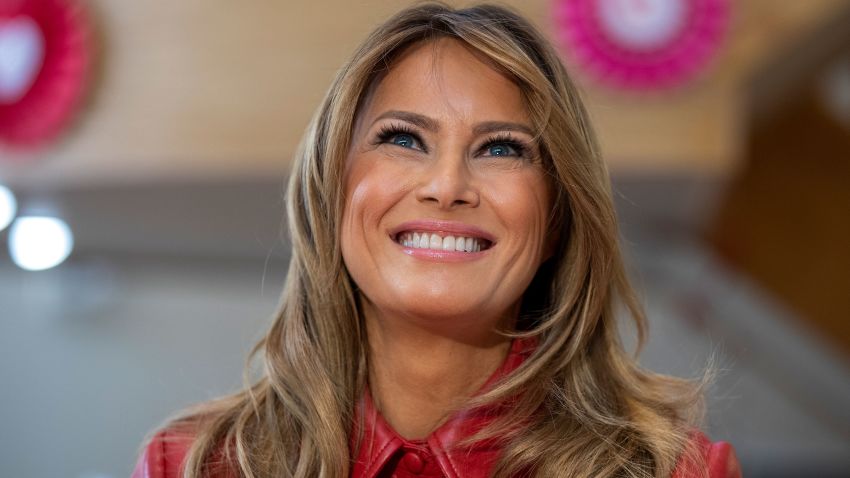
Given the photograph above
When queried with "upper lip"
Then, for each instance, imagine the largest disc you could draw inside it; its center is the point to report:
(454, 228)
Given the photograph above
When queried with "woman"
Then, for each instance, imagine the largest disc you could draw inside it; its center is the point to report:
(450, 303)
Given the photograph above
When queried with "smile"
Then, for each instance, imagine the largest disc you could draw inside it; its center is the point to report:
(437, 242)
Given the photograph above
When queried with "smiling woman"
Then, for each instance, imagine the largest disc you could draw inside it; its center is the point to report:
(450, 304)
(443, 156)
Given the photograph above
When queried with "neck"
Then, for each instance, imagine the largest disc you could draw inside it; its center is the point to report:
(417, 376)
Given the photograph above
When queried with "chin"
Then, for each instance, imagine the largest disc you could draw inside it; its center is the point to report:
(442, 306)
(446, 301)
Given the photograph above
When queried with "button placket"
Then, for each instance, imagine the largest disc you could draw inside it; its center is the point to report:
(413, 461)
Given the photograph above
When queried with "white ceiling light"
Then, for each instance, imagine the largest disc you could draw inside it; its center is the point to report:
(8, 206)
(38, 243)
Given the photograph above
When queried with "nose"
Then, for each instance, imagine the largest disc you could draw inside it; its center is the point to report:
(447, 184)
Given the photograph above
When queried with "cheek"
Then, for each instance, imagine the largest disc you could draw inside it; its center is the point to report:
(524, 202)
(371, 189)
(356, 212)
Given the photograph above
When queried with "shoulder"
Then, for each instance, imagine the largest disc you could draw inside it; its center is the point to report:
(718, 460)
(164, 454)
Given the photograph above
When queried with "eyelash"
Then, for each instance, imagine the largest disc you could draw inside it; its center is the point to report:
(507, 140)
(387, 132)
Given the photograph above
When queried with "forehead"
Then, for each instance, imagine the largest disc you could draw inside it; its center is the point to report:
(445, 79)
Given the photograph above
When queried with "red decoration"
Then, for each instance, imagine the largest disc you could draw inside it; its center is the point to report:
(642, 44)
(44, 61)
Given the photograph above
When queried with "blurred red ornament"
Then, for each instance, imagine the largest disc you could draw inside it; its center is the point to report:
(642, 44)
(44, 60)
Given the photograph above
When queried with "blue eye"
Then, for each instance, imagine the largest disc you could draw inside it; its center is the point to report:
(501, 150)
(404, 140)
(504, 147)
(400, 136)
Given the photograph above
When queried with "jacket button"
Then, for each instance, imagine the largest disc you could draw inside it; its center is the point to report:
(413, 462)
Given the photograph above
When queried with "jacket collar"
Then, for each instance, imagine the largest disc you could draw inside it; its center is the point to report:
(380, 447)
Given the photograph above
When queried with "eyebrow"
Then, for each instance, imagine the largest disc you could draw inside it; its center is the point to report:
(422, 121)
(430, 124)
(494, 126)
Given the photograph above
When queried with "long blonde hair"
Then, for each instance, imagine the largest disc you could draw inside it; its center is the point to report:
(585, 407)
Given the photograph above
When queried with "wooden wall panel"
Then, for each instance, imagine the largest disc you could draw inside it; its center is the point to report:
(196, 89)
(785, 219)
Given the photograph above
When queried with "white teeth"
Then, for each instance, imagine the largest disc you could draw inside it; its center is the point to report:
(449, 243)
(432, 241)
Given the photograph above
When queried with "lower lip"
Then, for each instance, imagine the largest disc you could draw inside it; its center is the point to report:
(434, 255)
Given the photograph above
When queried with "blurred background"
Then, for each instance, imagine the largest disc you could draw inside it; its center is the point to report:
(144, 148)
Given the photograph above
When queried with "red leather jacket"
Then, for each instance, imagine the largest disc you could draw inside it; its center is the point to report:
(382, 453)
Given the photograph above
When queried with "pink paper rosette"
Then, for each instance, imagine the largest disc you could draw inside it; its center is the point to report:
(641, 44)
(44, 60)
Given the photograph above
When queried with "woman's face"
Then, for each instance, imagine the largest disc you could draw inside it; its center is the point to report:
(446, 199)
